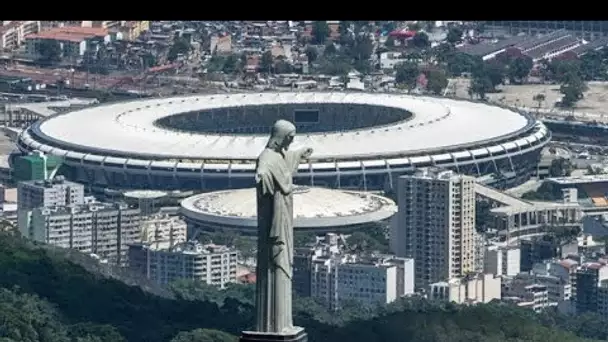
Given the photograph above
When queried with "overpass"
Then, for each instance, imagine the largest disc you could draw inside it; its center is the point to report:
(32, 111)
(517, 219)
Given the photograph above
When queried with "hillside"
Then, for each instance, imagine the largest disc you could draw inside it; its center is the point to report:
(59, 301)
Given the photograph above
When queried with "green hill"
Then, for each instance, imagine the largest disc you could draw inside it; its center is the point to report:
(52, 295)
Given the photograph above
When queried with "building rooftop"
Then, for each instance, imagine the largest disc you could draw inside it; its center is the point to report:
(437, 124)
(311, 206)
(70, 33)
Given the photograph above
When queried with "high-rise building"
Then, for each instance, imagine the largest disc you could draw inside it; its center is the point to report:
(588, 280)
(103, 229)
(49, 193)
(435, 225)
(163, 263)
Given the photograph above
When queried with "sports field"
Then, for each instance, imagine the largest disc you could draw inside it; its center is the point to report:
(595, 101)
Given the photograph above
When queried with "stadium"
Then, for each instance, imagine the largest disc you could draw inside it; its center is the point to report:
(317, 210)
(361, 141)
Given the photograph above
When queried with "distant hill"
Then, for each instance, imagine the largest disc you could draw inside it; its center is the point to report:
(90, 303)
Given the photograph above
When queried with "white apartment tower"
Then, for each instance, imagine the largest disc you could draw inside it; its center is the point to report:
(165, 263)
(435, 225)
(49, 193)
(369, 280)
(103, 229)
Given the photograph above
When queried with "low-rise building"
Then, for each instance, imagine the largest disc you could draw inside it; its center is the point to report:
(331, 275)
(471, 289)
(163, 263)
(73, 41)
(502, 260)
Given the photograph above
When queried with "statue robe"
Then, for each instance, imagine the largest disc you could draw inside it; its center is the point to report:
(274, 272)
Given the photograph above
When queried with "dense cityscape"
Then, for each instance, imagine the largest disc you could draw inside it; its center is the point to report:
(458, 188)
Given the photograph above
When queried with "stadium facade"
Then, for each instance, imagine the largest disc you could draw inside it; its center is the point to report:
(362, 141)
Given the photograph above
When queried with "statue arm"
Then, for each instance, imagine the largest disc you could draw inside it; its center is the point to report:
(293, 158)
(270, 184)
(264, 178)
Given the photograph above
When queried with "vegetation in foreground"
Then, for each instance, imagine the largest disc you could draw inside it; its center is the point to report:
(46, 297)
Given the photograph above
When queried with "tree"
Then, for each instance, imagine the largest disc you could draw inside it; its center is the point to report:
(266, 62)
(539, 98)
(390, 42)
(180, 46)
(572, 90)
(320, 32)
(50, 51)
(519, 68)
(454, 35)
(421, 40)
(593, 66)
(230, 64)
(406, 74)
(459, 63)
(28, 318)
(312, 53)
(480, 86)
(437, 80)
(282, 66)
(493, 71)
(204, 335)
(561, 167)
(330, 49)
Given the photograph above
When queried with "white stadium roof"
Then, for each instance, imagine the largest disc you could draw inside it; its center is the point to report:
(128, 128)
(313, 207)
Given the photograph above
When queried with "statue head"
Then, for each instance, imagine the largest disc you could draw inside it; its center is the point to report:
(282, 135)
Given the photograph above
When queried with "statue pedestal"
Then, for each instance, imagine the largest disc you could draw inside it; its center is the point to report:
(296, 335)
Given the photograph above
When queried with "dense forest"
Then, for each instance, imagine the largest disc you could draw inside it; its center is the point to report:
(46, 295)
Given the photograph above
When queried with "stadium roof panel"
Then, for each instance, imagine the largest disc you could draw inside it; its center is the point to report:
(312, 205)
(128, 129)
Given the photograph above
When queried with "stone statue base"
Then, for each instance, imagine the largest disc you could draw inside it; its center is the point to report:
(296, 335)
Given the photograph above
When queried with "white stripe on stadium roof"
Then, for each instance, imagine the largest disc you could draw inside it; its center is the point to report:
(128, 127)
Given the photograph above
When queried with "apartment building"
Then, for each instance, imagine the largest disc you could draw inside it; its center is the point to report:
(435, 225)
(558, 289)
(526, 295)
(49, 193)
(471, 289)
(502, 260)
(162, 227)
(103, 229)
(589, 278)
(370, 280)
(12, 33)
(165, 263)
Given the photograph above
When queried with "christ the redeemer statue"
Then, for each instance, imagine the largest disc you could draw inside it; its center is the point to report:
(274, 182)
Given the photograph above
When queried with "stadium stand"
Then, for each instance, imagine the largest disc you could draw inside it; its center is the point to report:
(550, 49)
(484, 49)
(535, 43)
(324, 118)
(597, 44)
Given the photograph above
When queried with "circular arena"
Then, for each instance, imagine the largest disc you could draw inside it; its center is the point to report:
(320, 210)
(362, 141)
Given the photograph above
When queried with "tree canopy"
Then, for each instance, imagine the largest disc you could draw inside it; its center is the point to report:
(50, 294)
